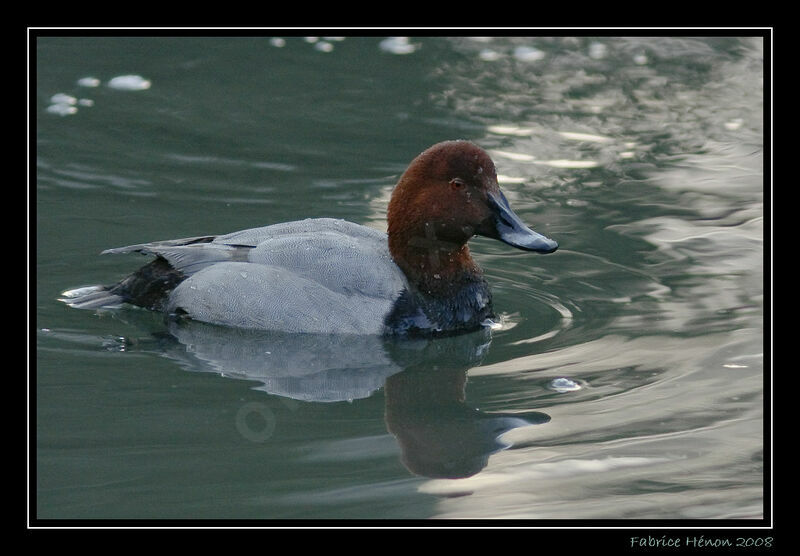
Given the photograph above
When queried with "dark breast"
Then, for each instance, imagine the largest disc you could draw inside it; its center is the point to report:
(418, 314)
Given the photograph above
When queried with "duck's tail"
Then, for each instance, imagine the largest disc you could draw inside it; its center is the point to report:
(148, 287)
(92, 297)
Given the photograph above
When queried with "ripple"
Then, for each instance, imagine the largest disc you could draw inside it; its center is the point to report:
(560, 317)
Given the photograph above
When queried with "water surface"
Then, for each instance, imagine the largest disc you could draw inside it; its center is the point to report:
(626, 378)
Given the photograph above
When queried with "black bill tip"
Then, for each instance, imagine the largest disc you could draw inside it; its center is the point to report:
(507, 227)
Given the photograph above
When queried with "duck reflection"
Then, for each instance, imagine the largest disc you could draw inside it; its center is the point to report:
(307, 367)
(424, 382)
(439, 435)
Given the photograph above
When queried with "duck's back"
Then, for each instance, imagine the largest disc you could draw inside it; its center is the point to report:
(315, 275)
(344, 257)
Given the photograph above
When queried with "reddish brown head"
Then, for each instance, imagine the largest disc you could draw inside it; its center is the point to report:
(448, 194)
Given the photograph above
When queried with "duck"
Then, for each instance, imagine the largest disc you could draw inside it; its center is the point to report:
(332, 276)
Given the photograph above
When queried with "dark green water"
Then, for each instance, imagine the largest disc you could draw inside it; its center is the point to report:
(642, 157)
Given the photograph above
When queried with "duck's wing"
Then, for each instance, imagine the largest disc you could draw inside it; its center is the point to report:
(188, 255)
(312, 243)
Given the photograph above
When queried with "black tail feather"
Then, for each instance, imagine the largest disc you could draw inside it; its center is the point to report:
(148, 287)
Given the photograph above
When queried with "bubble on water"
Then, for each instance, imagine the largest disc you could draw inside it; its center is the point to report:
(63, 104)
(277, 42)
(398, 45)
(598, 50)
(489, 55)
(62, 109)
(734, 124)
(89, 82)
(129, 83)
(62, 98)
(564, 384)
(528, 53)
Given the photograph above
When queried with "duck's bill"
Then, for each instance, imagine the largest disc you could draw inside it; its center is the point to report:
(507, 227)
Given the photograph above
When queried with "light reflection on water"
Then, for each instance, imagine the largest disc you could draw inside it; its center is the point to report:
(690, 309)
(642, 157)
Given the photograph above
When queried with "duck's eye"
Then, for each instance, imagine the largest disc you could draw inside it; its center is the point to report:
(457, 183)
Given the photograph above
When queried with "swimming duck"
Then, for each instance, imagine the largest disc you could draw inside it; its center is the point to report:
(325, 275)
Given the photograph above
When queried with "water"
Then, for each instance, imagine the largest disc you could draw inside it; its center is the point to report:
(625, 380)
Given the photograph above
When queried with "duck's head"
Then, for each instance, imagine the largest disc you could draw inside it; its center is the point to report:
(448, 194)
